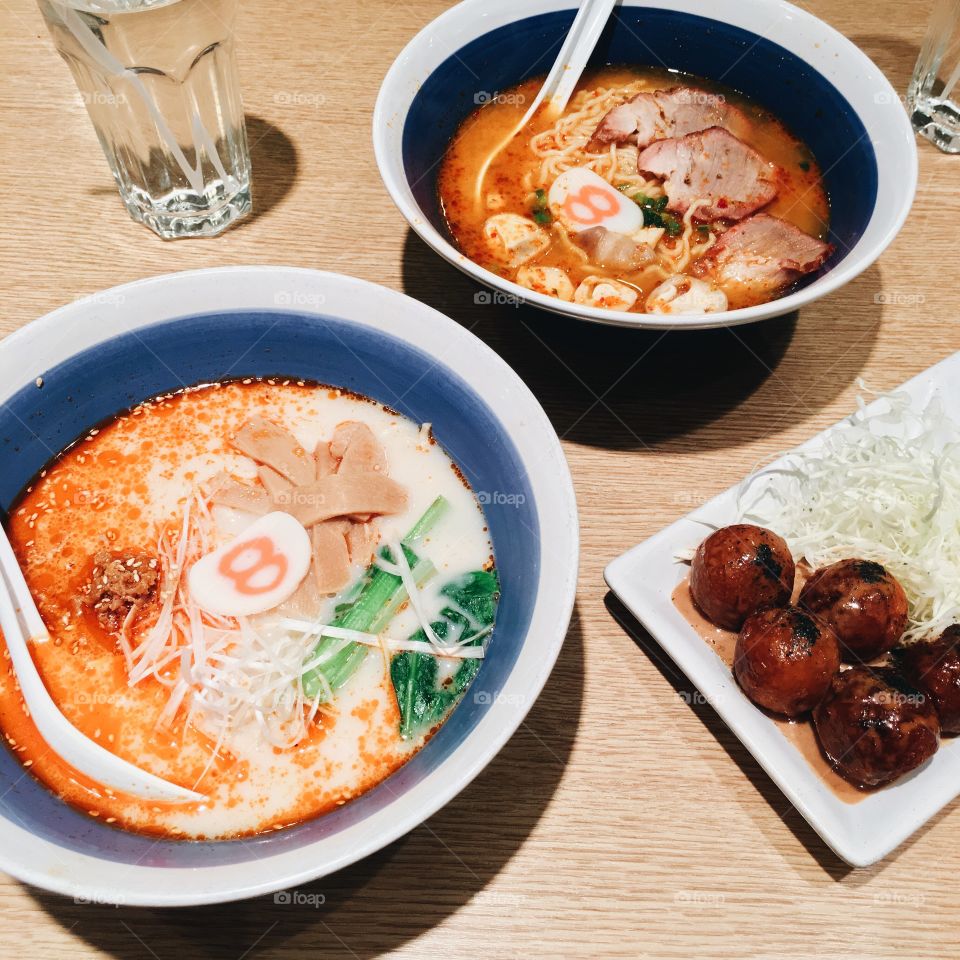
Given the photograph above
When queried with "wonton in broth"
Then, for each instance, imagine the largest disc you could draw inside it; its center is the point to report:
(226, 574)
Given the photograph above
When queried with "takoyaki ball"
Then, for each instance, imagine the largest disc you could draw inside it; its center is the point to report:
(862, 602)
(874, 726)
(739, 569)
(784, 660)
(933, 667)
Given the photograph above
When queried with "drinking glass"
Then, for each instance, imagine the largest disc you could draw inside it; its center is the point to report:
(159, 80)
(933, 98)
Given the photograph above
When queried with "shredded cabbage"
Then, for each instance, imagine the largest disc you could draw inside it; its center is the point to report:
(883, 485)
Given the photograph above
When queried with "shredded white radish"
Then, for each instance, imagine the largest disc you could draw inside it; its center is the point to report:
(387, 567)
(125, 634)
(142, 660)
(413, 594)
(455, 651)
(226, 673)
(421, 646)
(883, 486)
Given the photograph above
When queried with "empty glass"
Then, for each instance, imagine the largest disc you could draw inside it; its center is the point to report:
(159, 80)
(934, 95)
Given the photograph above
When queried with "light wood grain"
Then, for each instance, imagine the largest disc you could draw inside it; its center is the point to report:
(619, 821)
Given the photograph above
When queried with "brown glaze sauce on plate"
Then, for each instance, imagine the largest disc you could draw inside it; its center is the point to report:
(515, 173)
(800, 733)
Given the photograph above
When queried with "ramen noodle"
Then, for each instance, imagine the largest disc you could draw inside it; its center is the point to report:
(653, 192)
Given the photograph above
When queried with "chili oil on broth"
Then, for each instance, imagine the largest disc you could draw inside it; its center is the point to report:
(115, 489)
(514, 175)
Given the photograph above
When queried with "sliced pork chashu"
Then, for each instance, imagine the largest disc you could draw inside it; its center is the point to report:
(711, 165)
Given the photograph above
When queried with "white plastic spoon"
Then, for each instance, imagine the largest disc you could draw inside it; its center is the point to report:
(61, 736)
(567, 69)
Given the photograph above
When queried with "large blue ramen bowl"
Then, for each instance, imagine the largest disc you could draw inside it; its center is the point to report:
(98, 356)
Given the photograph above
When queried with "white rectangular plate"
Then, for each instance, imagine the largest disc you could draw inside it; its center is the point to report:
(645, 578)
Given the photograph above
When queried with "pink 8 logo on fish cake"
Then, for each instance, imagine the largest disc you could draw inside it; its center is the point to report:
(583, 206)
(268, 557)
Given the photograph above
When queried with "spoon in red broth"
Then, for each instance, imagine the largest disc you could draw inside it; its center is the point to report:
(564, 75)
(22, 625)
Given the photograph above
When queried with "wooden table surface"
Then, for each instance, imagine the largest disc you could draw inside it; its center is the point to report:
(619, 821)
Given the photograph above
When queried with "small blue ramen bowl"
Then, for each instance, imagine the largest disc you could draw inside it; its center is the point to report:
(97, 357)
(826, 90)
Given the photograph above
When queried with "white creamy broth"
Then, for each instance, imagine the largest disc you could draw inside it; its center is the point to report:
(115, 491)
